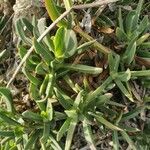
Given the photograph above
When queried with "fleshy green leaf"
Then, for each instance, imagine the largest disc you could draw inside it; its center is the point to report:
(142, 39)
(77, 100)
(27, 23)
(2, 54)
(145, 23)
(125, 76)
(138, 11)
(32, 78)
(83, 68)
(120, 19)
(129, 54)
(115, 140)
(88, 135)
(63, 99)
(133, 113)
(65, 43)
(70, 133)
(70, 43)
(6, 94)
(50, 85)
(49, 111)
(129, 129)
(129, 22)
(114, 60)
(31, 142)
(43, 51)
(99, 90)
(71, 113)
(121, 35)
(31, 61)
(84, 46)
(55, 143)
(45, 136)
(22, 51)
(34, 93)
(63, 129)
(103, 99)
(59, 43)
(47, 39)
(140, 73)
(42, 69)
(105, 122)
(19, 30)
(53, 12)
(145, 45)
(70, 83)
(8, 120)
(124, 90)
(44, 85)
(128, 139)
(7, 134)
(32, 116)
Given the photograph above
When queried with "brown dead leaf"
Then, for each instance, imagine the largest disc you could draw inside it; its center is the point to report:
(143, 62)
(106, 30)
